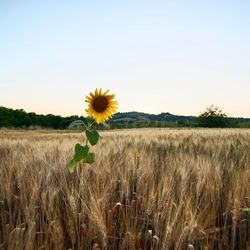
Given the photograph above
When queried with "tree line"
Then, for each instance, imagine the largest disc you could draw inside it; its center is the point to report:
(211, 117)
(18, 118)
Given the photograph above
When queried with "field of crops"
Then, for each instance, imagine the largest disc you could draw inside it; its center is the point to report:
(148, 189)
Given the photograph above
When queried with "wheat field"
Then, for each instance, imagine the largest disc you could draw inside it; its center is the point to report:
(148, 189)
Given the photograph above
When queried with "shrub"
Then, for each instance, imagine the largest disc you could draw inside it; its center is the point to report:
(213, 117)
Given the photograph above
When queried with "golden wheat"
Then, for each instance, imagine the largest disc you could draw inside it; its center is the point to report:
(148, 189)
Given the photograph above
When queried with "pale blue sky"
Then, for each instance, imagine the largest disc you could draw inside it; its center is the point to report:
(157, 56)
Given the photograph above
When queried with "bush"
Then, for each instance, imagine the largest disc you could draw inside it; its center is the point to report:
(213, 117)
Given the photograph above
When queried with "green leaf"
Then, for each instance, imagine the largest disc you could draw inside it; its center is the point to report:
(246, 209)
(80, 152)
(92, 136)
(90, 158)
(71, 165)
(77, 123)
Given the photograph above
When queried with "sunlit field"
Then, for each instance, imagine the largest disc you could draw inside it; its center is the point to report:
(148, 189)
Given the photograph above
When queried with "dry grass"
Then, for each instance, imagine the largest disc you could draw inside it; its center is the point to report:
(149, 189)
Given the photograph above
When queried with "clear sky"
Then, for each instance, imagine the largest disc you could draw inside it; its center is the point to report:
(158, 56)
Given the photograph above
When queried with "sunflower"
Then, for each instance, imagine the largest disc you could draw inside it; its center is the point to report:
(101, 106)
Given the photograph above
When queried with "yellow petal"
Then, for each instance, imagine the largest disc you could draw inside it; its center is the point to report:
(105, 93)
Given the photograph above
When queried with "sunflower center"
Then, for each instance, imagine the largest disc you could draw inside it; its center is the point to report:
(100, 104)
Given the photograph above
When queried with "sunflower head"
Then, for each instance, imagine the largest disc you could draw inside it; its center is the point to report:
(101, 106)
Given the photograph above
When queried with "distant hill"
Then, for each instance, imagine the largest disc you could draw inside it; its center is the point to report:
(133, 117)
(18, 118)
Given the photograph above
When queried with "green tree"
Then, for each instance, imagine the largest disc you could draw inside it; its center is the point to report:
(213, 117)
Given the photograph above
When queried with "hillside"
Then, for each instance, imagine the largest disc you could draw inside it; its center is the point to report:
(139, 117)
(18, 118)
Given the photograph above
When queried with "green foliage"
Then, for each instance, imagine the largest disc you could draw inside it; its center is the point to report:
(90, 158)
(80, 152)
(71, 165)
(182, 123)
(213, 117)
(92, 136)
(83, 154)
(10, 118)
(78, 123)
(244, 125)
(18, 118)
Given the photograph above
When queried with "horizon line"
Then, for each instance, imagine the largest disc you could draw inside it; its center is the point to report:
(64, 116)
